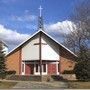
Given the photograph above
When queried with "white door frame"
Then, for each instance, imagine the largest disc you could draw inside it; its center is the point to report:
(44, 73)
(38, 73)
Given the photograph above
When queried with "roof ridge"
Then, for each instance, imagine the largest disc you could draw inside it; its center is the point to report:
(40, 30)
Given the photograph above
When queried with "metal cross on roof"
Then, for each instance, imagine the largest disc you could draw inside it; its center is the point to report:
(40, 8)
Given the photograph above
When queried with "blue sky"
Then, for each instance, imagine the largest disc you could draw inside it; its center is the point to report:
(20, 16)
(53, 11)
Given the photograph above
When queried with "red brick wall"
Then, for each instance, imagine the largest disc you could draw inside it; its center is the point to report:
(67, 60)
(13, 62)
(28, 69)
(51, 68)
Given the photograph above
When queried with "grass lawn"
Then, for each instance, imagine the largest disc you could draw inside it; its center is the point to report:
(78, 85)
(6, 85)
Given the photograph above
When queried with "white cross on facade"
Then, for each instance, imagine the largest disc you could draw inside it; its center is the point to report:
(40, 8)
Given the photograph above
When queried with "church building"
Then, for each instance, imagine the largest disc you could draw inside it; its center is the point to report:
(40, 54)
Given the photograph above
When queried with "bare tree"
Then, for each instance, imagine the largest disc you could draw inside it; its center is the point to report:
(79, 39)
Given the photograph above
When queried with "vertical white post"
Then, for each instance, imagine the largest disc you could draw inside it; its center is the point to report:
(34, 68)
(57, 67)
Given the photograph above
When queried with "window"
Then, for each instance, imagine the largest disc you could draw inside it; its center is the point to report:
(22, 67)
(36, 67)
(58, 67)
(44, 67)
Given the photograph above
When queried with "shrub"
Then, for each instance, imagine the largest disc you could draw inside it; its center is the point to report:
(82, 70)
(3, 75)
(68, 72)
(10, 72)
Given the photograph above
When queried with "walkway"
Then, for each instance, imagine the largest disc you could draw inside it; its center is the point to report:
(41, 85)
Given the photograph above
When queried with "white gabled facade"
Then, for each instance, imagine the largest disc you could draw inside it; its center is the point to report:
(30, 51)
(26, 46)
(50, 51)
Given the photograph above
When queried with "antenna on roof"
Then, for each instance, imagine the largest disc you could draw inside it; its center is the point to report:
(40, 19)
